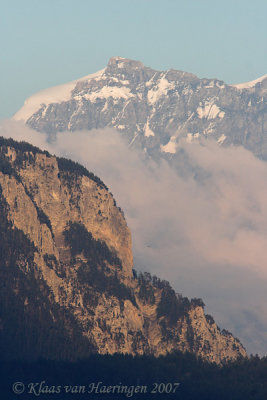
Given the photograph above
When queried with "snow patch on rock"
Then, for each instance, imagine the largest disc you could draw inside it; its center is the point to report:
(161, 89)
(210, 111)
(249, 85)
(170, 147)
(221, 139)
(148, 130)
(109, 91)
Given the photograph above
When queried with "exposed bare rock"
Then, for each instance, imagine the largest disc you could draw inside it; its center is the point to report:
(155, 109)
(66, 265)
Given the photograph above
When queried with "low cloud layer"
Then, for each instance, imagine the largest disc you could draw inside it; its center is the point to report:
(202, 227)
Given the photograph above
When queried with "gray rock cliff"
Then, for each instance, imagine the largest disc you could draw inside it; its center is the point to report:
(155, 109)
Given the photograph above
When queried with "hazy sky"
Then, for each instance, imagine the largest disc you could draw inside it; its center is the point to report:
(45, 43)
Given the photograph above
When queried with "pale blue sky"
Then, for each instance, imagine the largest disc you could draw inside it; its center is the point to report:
(45, 43)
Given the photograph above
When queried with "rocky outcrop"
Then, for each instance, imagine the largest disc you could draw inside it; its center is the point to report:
(155, 109)
(66, 269)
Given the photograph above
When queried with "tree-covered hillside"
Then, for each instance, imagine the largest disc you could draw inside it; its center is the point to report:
(159, 377)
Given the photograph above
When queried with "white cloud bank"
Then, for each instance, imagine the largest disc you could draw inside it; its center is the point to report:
(203, 228)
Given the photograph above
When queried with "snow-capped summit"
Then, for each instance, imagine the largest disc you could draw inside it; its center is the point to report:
(154, 109)
(63, 93)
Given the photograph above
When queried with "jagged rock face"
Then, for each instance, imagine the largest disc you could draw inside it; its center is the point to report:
(155, 109)
(66, 269)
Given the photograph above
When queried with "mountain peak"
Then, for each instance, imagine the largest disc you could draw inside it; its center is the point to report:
(121, 62)
(155, 109)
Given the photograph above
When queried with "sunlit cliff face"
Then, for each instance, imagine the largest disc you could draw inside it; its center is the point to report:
(74, 252)
(202, 220)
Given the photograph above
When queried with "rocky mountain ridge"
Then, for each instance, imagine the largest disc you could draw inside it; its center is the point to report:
(155, 109)
(67, 284)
